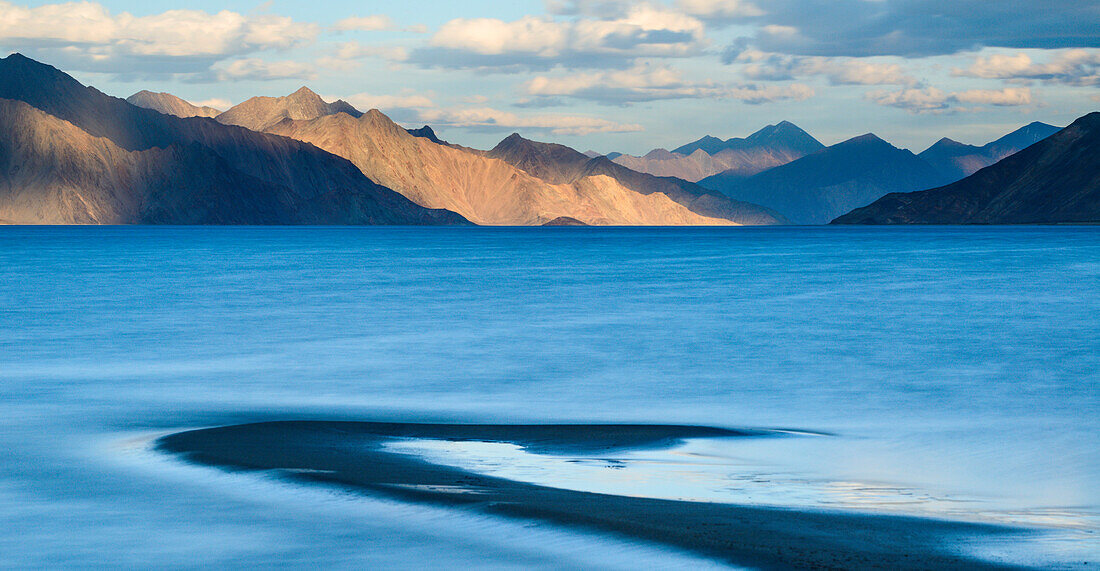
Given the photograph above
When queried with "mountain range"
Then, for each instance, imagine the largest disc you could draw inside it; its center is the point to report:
(821, 186)
(1056, 180)
(769, 147)
(261, 113)
(958, 160)
(71, 155)
(121, 163)
(832, 181)
(170, 105)
(519, 182)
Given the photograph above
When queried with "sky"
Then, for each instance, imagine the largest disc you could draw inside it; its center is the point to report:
(606, 75)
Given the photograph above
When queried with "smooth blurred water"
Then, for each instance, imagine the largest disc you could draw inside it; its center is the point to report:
(961, 362)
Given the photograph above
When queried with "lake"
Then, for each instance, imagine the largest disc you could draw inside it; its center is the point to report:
(943, 372)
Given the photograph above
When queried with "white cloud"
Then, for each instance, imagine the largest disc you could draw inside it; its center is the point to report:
(640, 78)
(755, 93)
(383, 102)
(1008, 97)
(355, 50)
(642, 30)
(935, 100)
(839, 71)
(87, 36)
(373, 23)
(646, 82)
(258, 69)
(488, 36)
(918, 28)
(1070, 67)
(177, 33)
(346, 55)
(216, 103)
(592, 8)
(856, 72)
(923, 100)
(997, 66)
(483, 118)
(719, 9)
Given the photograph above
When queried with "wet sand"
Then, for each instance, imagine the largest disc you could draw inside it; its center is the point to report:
(351, 455)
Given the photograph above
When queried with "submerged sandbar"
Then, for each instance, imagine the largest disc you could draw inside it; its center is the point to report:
(352, 455)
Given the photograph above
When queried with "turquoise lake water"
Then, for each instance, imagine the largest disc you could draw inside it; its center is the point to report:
(946, 372)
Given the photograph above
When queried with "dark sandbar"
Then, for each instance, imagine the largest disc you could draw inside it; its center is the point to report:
(350, 454)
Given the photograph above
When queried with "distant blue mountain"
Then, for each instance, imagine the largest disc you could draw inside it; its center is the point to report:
(1055, 181)
(785, 135)
(957, 160)
(819, 187)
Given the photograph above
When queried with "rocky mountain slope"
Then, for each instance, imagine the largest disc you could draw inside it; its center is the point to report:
(560, 165)
(52, 172)
(148, 167)
(260, 113)
(957, 160)
(769, 147)
(484, 188)
(170, 105)
(819, 187)
(1056, 180)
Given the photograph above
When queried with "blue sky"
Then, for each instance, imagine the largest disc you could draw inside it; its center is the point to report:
(609, 75)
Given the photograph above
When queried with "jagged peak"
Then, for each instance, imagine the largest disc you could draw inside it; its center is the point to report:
(158, 95)
(866, 138)
(512, 141)
(426, 132)
(37, 83)
(867, 141)
(1035, 124)
(304, 91)
(659, 154)
(376, 117)
(23, 62)
(305, 95)
(947, 142)
(781, 129)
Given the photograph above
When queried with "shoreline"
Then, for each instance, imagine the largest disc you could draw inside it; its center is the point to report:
(351, 455)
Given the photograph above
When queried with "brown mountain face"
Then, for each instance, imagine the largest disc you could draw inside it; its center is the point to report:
(87, 157)
(699, 165)
(484, 189)
(170, 105)
(561, 164)
(660, 162)
(1056, 180)
(52, 172)
(261, 113)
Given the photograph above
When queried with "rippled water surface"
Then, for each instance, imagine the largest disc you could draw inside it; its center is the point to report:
(952, 371)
